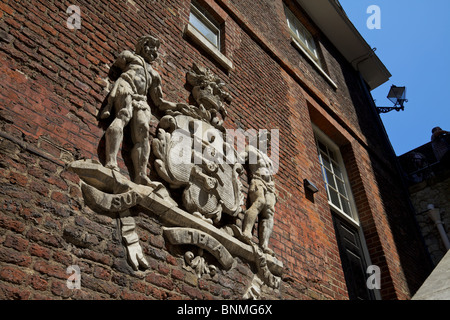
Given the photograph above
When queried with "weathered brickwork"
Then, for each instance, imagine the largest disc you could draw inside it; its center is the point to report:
(53, 83)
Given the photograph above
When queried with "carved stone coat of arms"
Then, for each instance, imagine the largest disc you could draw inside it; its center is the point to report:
(194, 159)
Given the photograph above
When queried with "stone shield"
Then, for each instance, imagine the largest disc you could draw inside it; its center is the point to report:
(193, 155)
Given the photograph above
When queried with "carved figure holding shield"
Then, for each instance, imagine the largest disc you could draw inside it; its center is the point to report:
(128, 98)
(262, 195)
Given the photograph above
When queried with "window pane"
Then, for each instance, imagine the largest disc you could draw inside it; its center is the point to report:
(346, 206)
(289, 24)
(322, 146)
(341, 187)
(209, 33)
(332, 156)
(326, 162)
(337, 170)
(334, 197)
(334, 176)
(308, 40)
(301, 32)
(311, 43)
(292, 27)
(323, 173)
(330, 179)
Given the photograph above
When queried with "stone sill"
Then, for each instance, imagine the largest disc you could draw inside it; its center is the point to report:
(199, 39)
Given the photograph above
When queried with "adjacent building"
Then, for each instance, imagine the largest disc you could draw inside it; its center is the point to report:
(426, 171)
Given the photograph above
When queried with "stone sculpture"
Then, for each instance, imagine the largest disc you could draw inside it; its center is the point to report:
(192, 155)
(261, 193)
(128, 98)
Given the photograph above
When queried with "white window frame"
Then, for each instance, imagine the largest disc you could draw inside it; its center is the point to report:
(203, 17)
(334, 148)
(199, 38)
(302, 35)
(319, 134)
(296, 28)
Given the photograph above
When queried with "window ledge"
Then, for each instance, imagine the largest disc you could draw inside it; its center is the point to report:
(319, 68)
(199, 39)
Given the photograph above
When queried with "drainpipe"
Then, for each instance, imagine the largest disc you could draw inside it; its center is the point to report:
(435, 215)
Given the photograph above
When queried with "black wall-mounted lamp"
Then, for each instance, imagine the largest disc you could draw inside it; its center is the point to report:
(310, 186)
(398, 96)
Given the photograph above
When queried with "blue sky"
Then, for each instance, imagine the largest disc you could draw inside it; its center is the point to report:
(414, 44)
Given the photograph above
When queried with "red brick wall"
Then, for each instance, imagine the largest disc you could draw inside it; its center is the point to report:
(54, 81)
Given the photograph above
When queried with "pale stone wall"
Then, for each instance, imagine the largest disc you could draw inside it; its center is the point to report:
(437, 193)
(437, 285)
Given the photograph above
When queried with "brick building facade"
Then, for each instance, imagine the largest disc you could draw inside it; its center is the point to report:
(54, 82)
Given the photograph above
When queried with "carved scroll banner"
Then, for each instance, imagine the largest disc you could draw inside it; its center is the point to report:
(203, 240)
(108, 192)
(110, 202)
(101, 183)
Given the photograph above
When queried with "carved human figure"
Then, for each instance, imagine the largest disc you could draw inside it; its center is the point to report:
(262, 195)
(128, 98)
